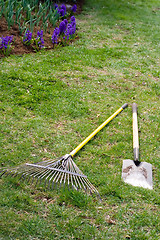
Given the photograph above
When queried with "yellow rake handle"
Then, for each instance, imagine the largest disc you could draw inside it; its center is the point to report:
(97, 130)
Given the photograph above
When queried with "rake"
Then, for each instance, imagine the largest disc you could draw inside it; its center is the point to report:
(60, 172)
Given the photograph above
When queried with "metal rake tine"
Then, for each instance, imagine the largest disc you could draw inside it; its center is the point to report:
(91, 186)
(62, 178)
(82, 184)
(51, 178)
(65, 179)
(34, 177)
(23, 171)
(94, 190)
(98, 195)
(69, 169)
(74, 178)
(45, 182)
(10, 172)
(38, 175)
(52, 185)
(60, 185)
(47, 178)
(48, 171)
(58, 177)
(68, 180)
(71, 179)
(42, 173)
(29, 173)
(14, 174)
(3, 172)
(77, 182)
(64, 182)
(82, 181)
(23, 176)
(77, 169)
(51, 164)
(74, 181)
(48, 187)
(46, 161)
(39, 181)
(28, 177)
(55, 186)
(88, 184)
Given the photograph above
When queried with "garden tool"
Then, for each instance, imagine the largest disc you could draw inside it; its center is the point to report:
(135, 172)
(62, 171)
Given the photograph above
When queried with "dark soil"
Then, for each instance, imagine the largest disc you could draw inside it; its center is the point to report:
(18, 47)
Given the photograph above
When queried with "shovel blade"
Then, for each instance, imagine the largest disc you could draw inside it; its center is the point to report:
(140, 176)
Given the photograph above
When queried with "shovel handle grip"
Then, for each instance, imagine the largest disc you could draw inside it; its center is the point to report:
(135, 133)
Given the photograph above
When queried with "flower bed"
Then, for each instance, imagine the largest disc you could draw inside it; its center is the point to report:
(40, 32)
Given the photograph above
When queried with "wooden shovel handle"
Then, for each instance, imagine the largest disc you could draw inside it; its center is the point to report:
(135, 133)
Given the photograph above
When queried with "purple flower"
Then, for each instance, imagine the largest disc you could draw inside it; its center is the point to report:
(62, 26)
(5, 42)
(73, 19)
(55, 35)
(40, 39)
(66, 21)
(56, 31)
(56, 6)
(61, 10)
(70, 30)
(73, 23)
(27, 37)
(63, 7)
(74, 8)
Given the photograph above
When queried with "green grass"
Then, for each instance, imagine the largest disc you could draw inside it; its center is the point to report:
(51, 101)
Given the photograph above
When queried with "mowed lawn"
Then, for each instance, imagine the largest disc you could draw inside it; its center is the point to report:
(52, 100)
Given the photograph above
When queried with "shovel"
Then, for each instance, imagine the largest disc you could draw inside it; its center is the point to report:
(135, 172)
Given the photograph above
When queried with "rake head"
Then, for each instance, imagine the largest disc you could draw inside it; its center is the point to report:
(55, 173)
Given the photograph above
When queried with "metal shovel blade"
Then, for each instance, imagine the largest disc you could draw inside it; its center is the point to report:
(140, 176)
